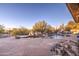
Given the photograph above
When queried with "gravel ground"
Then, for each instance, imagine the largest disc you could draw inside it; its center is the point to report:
(26, 46)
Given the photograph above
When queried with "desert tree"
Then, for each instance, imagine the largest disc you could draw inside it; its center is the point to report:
(43, 27)
(50, 29)
(40, 26)
(2, 30)
(19, 31)
(70, 25)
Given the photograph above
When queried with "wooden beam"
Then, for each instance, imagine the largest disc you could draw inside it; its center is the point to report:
(74, 10)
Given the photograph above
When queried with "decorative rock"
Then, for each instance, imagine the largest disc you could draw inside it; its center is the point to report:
(66, 48)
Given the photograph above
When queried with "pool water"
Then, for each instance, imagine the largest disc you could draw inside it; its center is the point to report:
(58, 37)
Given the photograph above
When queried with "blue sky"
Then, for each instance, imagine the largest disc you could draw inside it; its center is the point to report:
(26, 15)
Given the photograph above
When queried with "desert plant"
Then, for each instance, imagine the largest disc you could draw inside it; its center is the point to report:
(1, 29)
(43, 27)
(40, 26)
(19, 31)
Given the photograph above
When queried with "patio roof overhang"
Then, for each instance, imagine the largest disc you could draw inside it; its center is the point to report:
(74, 10)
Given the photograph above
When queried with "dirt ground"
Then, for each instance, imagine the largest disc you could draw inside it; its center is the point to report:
(26, 46)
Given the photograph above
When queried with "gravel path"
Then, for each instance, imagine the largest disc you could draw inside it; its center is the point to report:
(26, 46)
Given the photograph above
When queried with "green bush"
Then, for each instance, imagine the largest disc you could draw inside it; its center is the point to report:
(43, 27)
(2, 29)
(19, 31)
